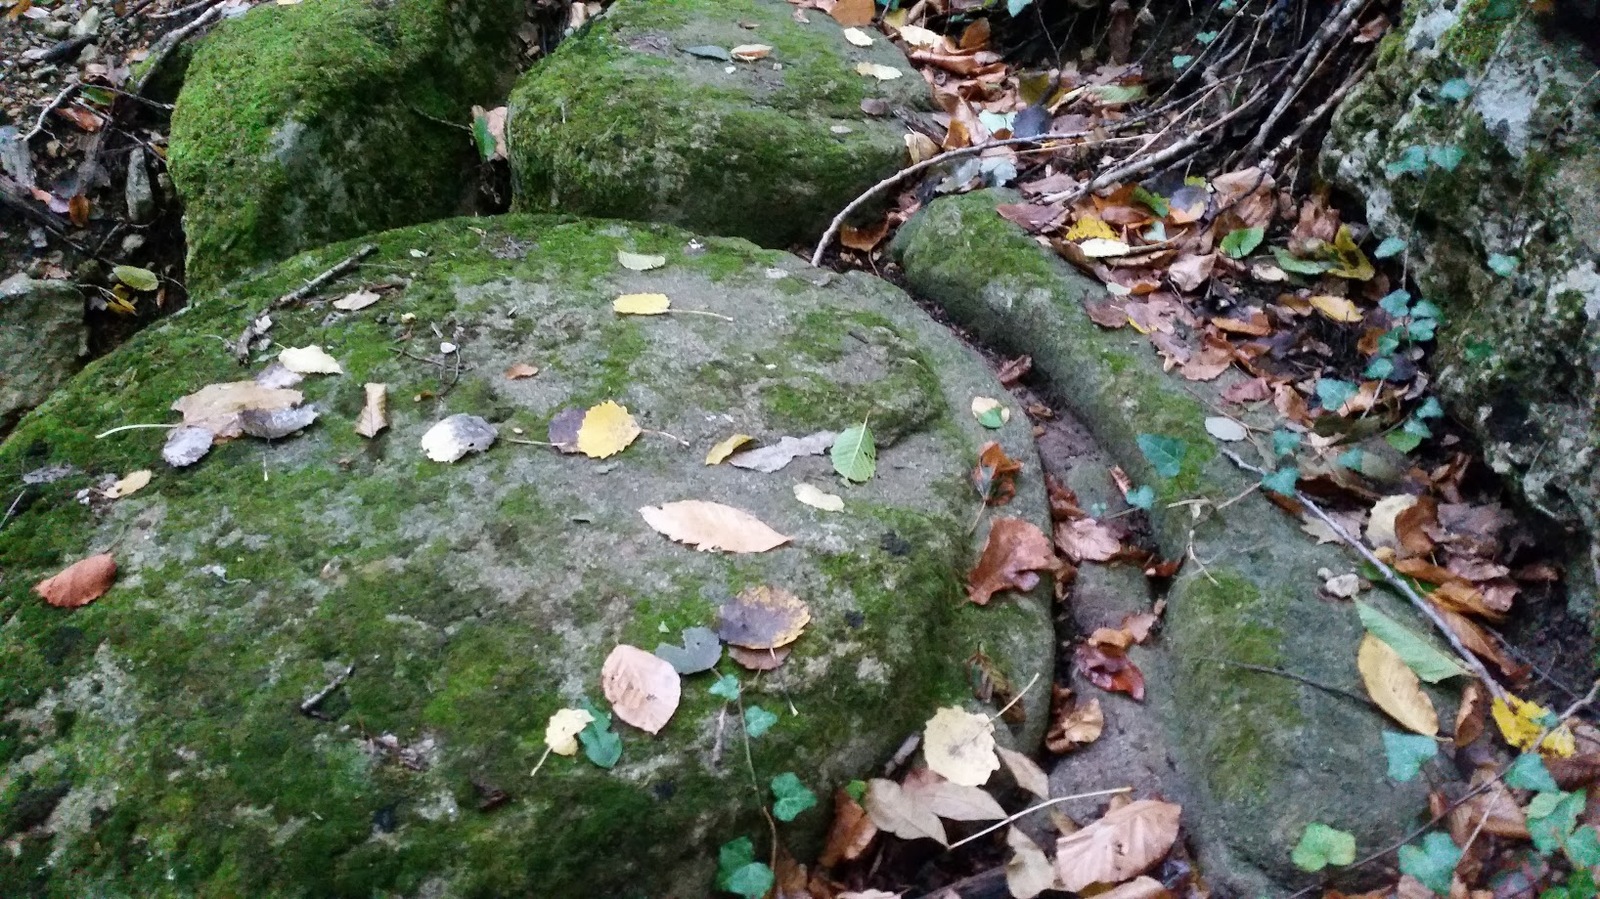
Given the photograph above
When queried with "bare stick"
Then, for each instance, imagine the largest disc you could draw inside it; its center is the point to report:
(1334, 25)
(1034, 808)
(1334, 99)
(1394, 580)
(132, 428)
(59, 99)
(315, 284)
(309, 707)
(169, 42)
(12, 510)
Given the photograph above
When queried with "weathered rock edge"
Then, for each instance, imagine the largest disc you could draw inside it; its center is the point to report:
(303, 124)
(621, 121)
(151, 741)
(1261, 756)
(42, 342)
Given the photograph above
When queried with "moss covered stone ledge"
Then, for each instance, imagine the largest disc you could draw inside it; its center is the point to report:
(1260, 756)
(298, 125)
(634, 118)
(151, 744)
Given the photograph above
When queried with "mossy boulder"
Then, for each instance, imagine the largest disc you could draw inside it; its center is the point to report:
(1260, 755)
(42, 342)
(625, 120)
(303, 124)
(152, 743)
(1504, 242)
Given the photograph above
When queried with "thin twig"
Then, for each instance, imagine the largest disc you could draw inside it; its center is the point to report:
(1270, 163)
(1311, 56)
(1473, 663)
(55, 103)
(12, 510)
(309, 707)
(1326, 688)
(132, 428)
(163, 48)
(1034, 808)
(315, 284)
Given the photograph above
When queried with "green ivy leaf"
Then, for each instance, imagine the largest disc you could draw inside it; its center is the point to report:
(1181, 60)
(1141, 497)
(1420, 656)
(1164, 453)
(1284, 443)
(1420, 329)
(1583, 848)
(1430, 408)
(792, 795)
(1206, 37)
(1282, 481)
(1411, 162)
(1333, 393)
(1156, 202)
(1351, 459)
(1389, 341)
(757, 721)
(1402, 441)
(1397, 303)
(739, 873)
(1503, 265)
(1407, 754)
(601, 744)
(1292, 263)
(1446, 157)
(726, 687)
(1391, 246)
(1479, 350)
(1015, 7)
(855, 456)
(1241, 242)
(1381, 368)
(1455, 90)
(701, 651)
(1433, 863)
(1528, 772)
(1552, 818)
(1321, 846)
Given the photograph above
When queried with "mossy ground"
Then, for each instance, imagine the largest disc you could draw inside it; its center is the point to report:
(621, 122)
(152, 743)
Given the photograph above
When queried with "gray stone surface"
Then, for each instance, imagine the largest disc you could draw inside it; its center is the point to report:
(155, 733)
(42, 342)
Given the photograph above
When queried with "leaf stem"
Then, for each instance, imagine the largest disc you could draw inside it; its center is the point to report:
(1034, 808)
(132, 428)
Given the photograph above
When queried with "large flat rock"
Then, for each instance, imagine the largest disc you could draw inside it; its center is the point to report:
(152, 742)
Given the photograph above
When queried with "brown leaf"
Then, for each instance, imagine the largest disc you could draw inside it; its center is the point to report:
(1025, 771)
(375, 413)
(1110, 669)
(759, 659)
(891, 809)
(218, 407)
(1081, 723)
(711, 526)
(1013, 554)
(643, 688)
(762, 617)
(78, 210)
(1395, 687)
(1126, 842)
(1190, 271)
(853, 13)
(1087, 540)
(1107, 313)
(863, 239)
(1015, 370)
(519, 370)
(851, 833)
(80, 583)
(948, 800)
(1139, 625)
(1063, 502)
(1471, 715)
(995, 474)
(1495, 811)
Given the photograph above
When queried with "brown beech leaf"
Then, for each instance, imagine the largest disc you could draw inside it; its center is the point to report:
(1087, 540)
(759, 659)
(853, 13)
(1013, 555)
(897, 812)
(711, 526)
(995, 474)
(80, 583)
(951, 801)
(762, 617)
(218, 407)
(1109, 669)
(851, 833)
(1079, 724)
(1125, 843)
(643, 688)
(1015, 370)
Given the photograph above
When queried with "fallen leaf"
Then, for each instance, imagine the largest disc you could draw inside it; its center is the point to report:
(995, 474)
(1081, 725)
(712, 526)
(759, 659)
(1394, 687)
(725, 448)
(561, 734)
(140, 279)
(1126, 842)
(186, 445)
(217, 407)
(1145, 887)
(880, 72)
(851, 833)
(271, 424)
(519, 370)
(917, 36)
(643, 689)
(1336, 308)
(701, 651)
(80, 583)
(762, 617)
(1225, 429)
(1086, 539)
(769, 459)
(818, 499)
(607, 429)
(990, 412)
(374, 415)
(563, 431)
(959, 745)
(853, 13)
(951, 801)
(356, 300)
(1013, 554)
(310, 360)
(854, 454)
(640, 262)
(1025, 771)
(750, 52)
(893, 811)
(1028, 871)
(129, 484)
(858, 37)
(456, 436)
(641, 304)
(1110, 669)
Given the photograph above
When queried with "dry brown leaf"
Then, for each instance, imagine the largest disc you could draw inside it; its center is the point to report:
(1014, 553)
(1081, 725)
(994, 476)
(759, 659)
(519, 370)
(1472, 715)
(1028, 871)
(1025, 771)
(375, 412)
(80, 583)
(762, 617)
(217, 407)
(1495, 810)
(711, 526)
(851, 833)
(893, 811)
(1395, 687)
(1087, 540)
(853, 13)
(959, 745)
(643, 688)
(1110, 669)
(1126, 842)
(951, 801)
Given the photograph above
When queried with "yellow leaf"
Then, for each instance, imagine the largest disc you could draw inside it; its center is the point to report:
(129, 485)
(959, 746)
(640, 262)
(1395, 687)
(858, 37)
(1102, 248)
(917, 36)
(1519, 722)
(725, 449)
(561, 734)
(882, 73)
(818, 499)
(607, 429)
(310, 360)
(1338, 309)
(1088, 226)
(1353, 263)
(641, 304)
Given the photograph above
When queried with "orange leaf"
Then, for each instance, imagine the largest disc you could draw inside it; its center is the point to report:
(78, 210)
(1013, 554)
(80, 583)
(853, 13)
(995, 474)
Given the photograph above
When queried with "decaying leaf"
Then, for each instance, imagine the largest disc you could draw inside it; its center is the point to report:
(701, 651)
(643, 689)
(1087, 540)
(1078, 723)
(990, 412)
(1013, 555)
(519, 370)
(217, 407)
(951, 801)
(818, 499)
(607, 429)
(769, 459)
(995, 475)
(959, 745)
(374, 415)
(851, 833)
(712, 526)
(186, 445)
(356, 300)
(310, 360)
(892, 810)
(1028, 871)
(561, 734)
(759, 659)
(271, 424)
(1126, 842)
(1025, 771)
(641, 304)
(80, 583)
(640, 262)
(725, 448)
(1394, 687)
(456, 436)
(129, 484)
(762, 617)
(1110, 669)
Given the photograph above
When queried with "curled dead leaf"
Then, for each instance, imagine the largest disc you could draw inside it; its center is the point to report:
(80, 583)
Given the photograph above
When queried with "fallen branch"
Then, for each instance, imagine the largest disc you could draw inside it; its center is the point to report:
(309, 707)
(1311, 58)
(163, 48)
(1270, 162)
(315, 284)
(55, 103)
(1394, 580)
